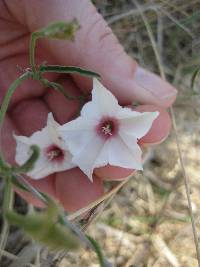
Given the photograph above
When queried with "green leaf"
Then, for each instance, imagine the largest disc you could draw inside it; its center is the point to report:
(45, 230)
(60, 30)
(68, 69)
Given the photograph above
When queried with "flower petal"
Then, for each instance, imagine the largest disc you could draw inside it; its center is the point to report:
(52, 128)
(43, 167)
(131, 143)
(75, 133)
(39, 138)
(103, 103)
(121, 155)
(66, 163)
(23, 152)
(138, 125)
(127, 113)
(87, 155)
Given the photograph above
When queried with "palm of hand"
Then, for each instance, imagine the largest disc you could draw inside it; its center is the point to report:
(32, 102)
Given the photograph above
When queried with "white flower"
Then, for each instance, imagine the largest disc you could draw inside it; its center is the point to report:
(106, 133)
(53, 156)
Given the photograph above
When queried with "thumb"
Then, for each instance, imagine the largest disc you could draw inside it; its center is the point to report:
(96, 48)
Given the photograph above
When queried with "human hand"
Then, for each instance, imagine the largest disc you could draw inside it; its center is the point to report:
(95, 48)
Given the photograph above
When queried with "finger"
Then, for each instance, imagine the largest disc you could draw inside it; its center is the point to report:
(113, 173)
(95, 48)
(30, 116)
(160, 128)
(63, 109)
(158, 132)
(75, 190)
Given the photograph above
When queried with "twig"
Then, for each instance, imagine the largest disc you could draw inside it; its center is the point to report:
(139, 256)
(130, 13)
(163, 249)
(177, 22)
(125, 238)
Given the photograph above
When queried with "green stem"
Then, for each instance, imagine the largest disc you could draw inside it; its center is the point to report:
(4, 167)
(34, 37)
(102, 261)
(8, 195)
(57, 87)
(7, 206)
(6, 101)
(9, 94)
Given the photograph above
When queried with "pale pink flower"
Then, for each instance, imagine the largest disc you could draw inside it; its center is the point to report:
(54, 156)
(106, 133)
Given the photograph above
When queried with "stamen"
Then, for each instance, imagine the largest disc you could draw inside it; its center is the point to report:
(107, 127)
(54, 153)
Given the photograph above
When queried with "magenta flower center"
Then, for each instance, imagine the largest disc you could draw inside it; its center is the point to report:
(108, 127)
(54, 153)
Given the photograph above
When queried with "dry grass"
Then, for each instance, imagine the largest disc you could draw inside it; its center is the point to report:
(147, 224)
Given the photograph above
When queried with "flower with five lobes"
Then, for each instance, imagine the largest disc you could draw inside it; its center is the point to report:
(54, 156)
(106, 133)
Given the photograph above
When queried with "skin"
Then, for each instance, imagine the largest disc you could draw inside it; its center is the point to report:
(95, 48)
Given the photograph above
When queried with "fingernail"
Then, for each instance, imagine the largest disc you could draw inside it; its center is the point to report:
(154, 84)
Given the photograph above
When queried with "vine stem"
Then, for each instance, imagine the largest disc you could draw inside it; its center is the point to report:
(185, 176)
(6, 101)
(7, 205)
(9, 94)
(34, 37)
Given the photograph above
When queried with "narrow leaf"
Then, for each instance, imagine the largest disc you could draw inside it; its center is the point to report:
(44, 230)
(68, 69)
